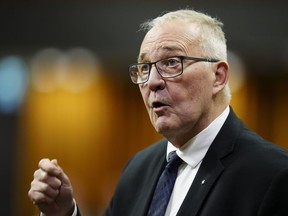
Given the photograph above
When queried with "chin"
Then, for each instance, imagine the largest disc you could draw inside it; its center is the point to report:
(163, 128)
(164, 124)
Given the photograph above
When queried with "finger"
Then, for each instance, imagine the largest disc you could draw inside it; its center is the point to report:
(49, 167)
(65, 182)
(55, 162)
(42, 176)
(39, 198)
(44, 188)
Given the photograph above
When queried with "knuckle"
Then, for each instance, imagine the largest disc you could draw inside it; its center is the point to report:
(36, 173)
(44, 187)
(40, 175)
(43, 176)
(30, 193)
(42, 162)
(34, 185)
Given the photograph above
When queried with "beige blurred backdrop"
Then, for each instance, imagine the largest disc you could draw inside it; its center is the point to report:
(65, 92)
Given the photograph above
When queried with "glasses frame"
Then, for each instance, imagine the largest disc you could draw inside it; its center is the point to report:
(150, 64)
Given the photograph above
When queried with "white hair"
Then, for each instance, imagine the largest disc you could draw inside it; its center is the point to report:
(212, 39)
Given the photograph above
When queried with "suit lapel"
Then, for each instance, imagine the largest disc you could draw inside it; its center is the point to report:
(211, 167)
(207, 175)
(157, 164)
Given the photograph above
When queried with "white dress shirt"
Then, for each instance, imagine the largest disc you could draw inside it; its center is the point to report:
(192, 153)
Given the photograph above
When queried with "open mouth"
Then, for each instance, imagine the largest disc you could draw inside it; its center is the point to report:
(158, 104)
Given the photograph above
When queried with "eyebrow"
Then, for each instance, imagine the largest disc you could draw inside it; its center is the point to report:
(144, 55)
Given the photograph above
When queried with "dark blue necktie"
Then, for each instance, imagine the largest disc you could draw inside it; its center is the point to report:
(165, 186)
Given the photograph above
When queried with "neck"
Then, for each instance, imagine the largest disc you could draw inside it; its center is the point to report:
(179, 139)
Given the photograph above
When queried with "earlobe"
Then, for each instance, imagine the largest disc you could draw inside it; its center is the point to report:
(221, 76)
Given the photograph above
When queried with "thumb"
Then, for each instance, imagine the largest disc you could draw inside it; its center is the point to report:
(55, 162)
(65, 182)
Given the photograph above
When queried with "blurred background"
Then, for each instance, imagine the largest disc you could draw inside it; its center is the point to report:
(65, 92)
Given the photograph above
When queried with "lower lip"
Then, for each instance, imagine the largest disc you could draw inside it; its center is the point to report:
(159, 109)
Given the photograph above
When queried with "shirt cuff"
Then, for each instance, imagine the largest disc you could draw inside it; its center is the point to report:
(75, 208)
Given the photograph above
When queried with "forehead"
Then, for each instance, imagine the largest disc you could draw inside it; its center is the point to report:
(171, 38)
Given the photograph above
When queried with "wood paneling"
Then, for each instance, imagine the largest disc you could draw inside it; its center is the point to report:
(94, 133)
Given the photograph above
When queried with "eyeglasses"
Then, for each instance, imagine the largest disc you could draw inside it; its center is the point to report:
(167, 68)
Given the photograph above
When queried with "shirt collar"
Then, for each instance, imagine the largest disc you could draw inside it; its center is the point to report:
(195, 149)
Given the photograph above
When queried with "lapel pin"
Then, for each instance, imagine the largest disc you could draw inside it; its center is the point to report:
(203, 182)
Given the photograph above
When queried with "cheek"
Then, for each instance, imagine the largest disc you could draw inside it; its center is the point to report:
(193, 93)
(189, 89)
(144, 94)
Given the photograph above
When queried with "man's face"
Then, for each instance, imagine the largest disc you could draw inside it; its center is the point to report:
(178, 107)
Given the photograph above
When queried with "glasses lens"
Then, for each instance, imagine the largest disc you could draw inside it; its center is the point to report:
(133, 71)
(170, 67)
(139, 73)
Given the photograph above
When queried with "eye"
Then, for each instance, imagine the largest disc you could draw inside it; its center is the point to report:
(172, 61)
(144, 68)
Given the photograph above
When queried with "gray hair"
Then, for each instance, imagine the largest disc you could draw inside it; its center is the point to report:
(212, 38)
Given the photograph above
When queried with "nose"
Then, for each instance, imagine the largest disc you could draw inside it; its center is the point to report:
(155, 81)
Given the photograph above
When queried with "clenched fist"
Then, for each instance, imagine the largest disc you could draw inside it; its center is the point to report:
(51, 190)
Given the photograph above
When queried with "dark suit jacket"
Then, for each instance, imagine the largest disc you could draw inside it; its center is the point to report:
(244, 175)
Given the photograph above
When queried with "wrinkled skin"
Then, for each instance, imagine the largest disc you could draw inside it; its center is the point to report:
(187, 101)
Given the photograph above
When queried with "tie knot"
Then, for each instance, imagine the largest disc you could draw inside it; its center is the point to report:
(174, 160)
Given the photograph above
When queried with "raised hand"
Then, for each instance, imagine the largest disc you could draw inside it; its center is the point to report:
(51, 190)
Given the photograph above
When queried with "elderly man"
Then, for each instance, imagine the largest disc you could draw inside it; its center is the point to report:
(210, 163)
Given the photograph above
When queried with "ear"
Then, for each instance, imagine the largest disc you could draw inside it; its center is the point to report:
(221, 73)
